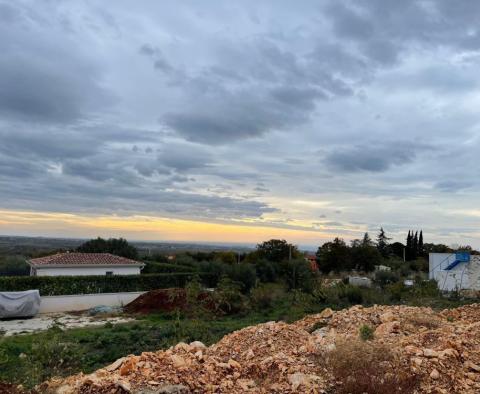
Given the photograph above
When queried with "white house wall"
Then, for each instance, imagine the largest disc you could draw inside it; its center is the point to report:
(71, 303)
(84, 271)
(438, 262)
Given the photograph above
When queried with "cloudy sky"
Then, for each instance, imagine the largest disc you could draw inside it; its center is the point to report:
(239, 121)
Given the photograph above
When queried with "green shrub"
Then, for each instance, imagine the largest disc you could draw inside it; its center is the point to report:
(366, 333)
(384, 278)
(266, 271)
(65, 285)
(227, 297)
(242, 273)
(14, 266)
(354, 294)
(152, 267)
(266, 295)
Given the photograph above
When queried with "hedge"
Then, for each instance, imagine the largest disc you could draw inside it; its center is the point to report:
(157, 268)
(69, 285)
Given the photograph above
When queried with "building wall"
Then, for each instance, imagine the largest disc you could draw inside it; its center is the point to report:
(83, 271)
(465, 276)
(72, 303)
(438, 262)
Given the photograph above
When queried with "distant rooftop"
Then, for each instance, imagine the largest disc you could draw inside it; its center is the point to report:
(85, 259)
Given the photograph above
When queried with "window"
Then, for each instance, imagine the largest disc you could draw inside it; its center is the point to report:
(109, 273)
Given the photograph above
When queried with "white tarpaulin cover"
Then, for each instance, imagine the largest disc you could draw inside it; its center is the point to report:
(19, 303)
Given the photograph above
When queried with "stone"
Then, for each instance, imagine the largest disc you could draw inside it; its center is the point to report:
(391, 327)
(115, 365)
(472, 366)
(299, 379)
(387, 317)
(234, 364)
(430, 353)
(166, 389)
(128, 366)
(182, 346)
(435, 374)
(124, 385)
(326, 313)
(178, 361)
(197, 345)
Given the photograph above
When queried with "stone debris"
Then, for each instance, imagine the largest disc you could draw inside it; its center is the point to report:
(441, 348)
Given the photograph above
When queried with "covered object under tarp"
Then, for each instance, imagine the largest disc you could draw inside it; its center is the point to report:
(19, 303)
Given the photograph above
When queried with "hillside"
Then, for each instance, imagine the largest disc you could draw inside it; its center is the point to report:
(404, 349)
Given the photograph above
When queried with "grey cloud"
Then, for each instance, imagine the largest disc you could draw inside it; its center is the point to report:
(184, 157)
(452, 186)
(159, 60)
(372, 158)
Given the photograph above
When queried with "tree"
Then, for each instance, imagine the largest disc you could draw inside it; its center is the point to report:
(421, 251)
(382, 243)
(415, 245)
(117, 246)
(365, 257)
(397, 249)
(334, 256)
(277, 250)
(367, 241)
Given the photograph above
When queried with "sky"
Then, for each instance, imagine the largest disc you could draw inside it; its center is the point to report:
(214, 121)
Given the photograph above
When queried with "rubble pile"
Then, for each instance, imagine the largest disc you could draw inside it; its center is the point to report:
(441, 349)
(162, 300)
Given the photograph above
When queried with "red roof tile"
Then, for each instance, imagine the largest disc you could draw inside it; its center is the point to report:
(82, 259)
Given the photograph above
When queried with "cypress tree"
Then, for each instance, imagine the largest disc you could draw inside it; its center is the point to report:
(409, 246)
(415, 245)
(421, 252)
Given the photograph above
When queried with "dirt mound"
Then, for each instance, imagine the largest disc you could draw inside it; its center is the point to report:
(7, 388)
(416, 350)
(162, 300)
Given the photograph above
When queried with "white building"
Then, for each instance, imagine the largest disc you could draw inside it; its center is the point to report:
(455, 271)
(81, 264)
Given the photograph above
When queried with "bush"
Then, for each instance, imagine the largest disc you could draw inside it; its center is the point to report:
(14, 266)
(65, 285)
(227, 297)
(297, 275)
(243, 274)
(354, 294)
(366, 333)
(365, 367)
(158, 268)
(266, 295)
(266, 271)
(384, 278)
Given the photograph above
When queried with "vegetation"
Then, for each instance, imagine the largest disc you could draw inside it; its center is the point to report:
(59, 285)
(366, 333)
(119, 247)
(274, 282)
(13, 266)
(365, 367)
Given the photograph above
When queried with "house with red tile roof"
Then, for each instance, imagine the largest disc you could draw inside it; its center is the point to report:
(80, 264)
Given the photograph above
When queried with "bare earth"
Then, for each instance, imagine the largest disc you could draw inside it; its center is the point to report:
(440, 349)
(63, 320)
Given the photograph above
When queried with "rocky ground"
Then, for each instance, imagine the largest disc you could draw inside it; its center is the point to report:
(404, 350)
